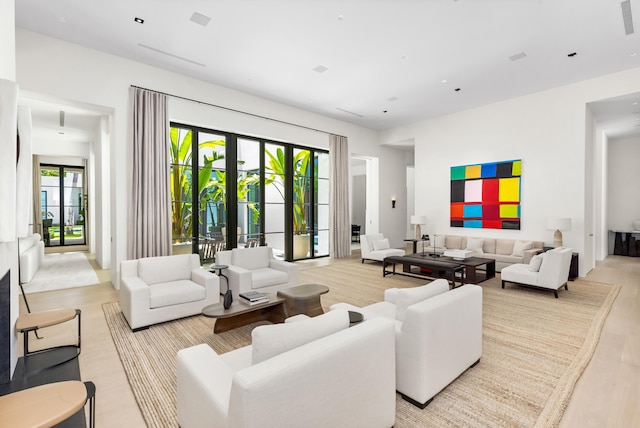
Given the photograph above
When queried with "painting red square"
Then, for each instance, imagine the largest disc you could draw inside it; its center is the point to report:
(490, 190)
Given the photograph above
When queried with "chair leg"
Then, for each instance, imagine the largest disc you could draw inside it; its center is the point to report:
(91, 398)
(555, 292)
(503, 284)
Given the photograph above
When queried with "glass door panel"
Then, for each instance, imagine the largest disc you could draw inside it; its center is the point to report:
(302, 231)
(212, 191)
(50, 195)
(74, 228)
(321, 186)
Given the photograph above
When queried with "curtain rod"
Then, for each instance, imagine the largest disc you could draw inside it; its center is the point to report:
(238, 111)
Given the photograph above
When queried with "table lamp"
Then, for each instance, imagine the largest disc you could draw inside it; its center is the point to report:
(558, 224)
(418, 220)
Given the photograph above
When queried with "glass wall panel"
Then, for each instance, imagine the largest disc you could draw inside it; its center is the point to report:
(180, 181)
(301, 203)
(212, 182)
(321, 226)
(50, 195)
(73, 182)
(248, 184)
(274, 196)
(63, 205)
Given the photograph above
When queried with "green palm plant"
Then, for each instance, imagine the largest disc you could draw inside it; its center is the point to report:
(276, 167)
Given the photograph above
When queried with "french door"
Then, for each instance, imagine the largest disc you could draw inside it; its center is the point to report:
(63, 201)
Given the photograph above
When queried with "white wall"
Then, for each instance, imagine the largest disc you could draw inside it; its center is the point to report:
(547, 130)
(84, 75)
(623, 187)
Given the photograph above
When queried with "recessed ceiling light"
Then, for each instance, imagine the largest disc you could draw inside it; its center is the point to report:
(404, 57)
(457, 89)
(200, 19)
(319, 68)
(634, 54)
(340, 17)
(572, 54)
(384, 111)
(62, 19)
(393, 99)
(138, 20)
(444, 80)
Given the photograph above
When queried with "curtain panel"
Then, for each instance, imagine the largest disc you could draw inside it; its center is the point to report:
(149, 225)
(339, 223)
(24, 192)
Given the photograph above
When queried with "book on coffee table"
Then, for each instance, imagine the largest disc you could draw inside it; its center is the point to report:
(252, 296)
(255, 302)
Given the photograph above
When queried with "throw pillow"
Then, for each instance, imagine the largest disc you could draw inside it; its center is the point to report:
(409, 296)
(475, 245)
(453, 242)
(381, 244)
(536, 262)
(270, 340)
(439, 241)
(519, 247)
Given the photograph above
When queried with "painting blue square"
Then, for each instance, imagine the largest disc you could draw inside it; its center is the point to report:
(473, 211)
(488, 170)
(473, 223)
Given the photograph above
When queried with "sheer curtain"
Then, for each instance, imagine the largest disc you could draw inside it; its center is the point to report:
(339, 224)
(149, 223)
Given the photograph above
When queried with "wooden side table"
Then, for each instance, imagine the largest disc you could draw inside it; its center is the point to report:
(304, 299)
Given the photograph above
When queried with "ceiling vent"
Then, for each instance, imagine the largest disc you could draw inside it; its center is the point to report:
(518, 56)
(61, 118)
(627, 18)
(171, 55)
(200, 19)
(320, 69)
(349, 112)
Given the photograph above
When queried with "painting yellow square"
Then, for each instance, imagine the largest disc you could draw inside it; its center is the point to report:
(517, 168)
(508, 211)
(509, 190)
(473, 171)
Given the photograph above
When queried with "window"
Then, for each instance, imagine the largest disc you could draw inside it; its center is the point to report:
(279, 194)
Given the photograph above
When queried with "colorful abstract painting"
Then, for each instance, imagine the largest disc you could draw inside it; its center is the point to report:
(486, 195)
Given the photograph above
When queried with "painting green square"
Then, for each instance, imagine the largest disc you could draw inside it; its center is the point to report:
(458, 173)
(517, 168)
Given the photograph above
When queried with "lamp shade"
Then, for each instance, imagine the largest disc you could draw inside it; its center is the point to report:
(418, 219)
(559, 223)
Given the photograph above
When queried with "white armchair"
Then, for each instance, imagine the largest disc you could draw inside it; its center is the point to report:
(438, 335)
(316, 372)
(376, 247)
(255, 269)
(158, 289)
(549, 271)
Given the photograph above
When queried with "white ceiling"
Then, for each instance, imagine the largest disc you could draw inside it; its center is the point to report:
(386, 60)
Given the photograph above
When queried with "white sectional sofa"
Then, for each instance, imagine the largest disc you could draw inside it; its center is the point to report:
(315, 372)
(31, 250)
(158, 289)
(504, 251)
(438, 335)
(376, 247)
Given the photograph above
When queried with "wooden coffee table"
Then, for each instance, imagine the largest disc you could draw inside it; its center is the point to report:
(240, 313)
(437, 268)
(304, 299)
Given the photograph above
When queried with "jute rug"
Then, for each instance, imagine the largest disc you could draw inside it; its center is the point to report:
(62, 270)
(535, 348)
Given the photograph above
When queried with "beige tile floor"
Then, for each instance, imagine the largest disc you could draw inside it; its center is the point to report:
(607, 395)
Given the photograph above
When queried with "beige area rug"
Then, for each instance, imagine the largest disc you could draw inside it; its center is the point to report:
(62, 270)
(535, 348)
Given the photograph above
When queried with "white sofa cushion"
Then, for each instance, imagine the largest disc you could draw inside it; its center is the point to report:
(175, 293)
(155, 270)
(268, 341)
(453, 242)
(408, 296)
(381, 244)
(504, 246)
(519, 247)
(265, 277)
(252, 258)
(439, 241)
(536, 262)
(475, 245)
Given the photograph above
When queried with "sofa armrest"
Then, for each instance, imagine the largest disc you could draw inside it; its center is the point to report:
(240, 280)
(391, 295)
(134, 299)
(528, 254)
(291, 269)
(203, 387)
(209, 280)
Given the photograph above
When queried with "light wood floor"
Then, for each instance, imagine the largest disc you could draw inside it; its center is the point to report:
(607, 395)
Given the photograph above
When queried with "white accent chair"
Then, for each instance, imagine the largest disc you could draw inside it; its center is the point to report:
(255, 269)
(316, 372)
(376, 247)
(438, 335)
(31, 256)
(551, 274)
(158, 289)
